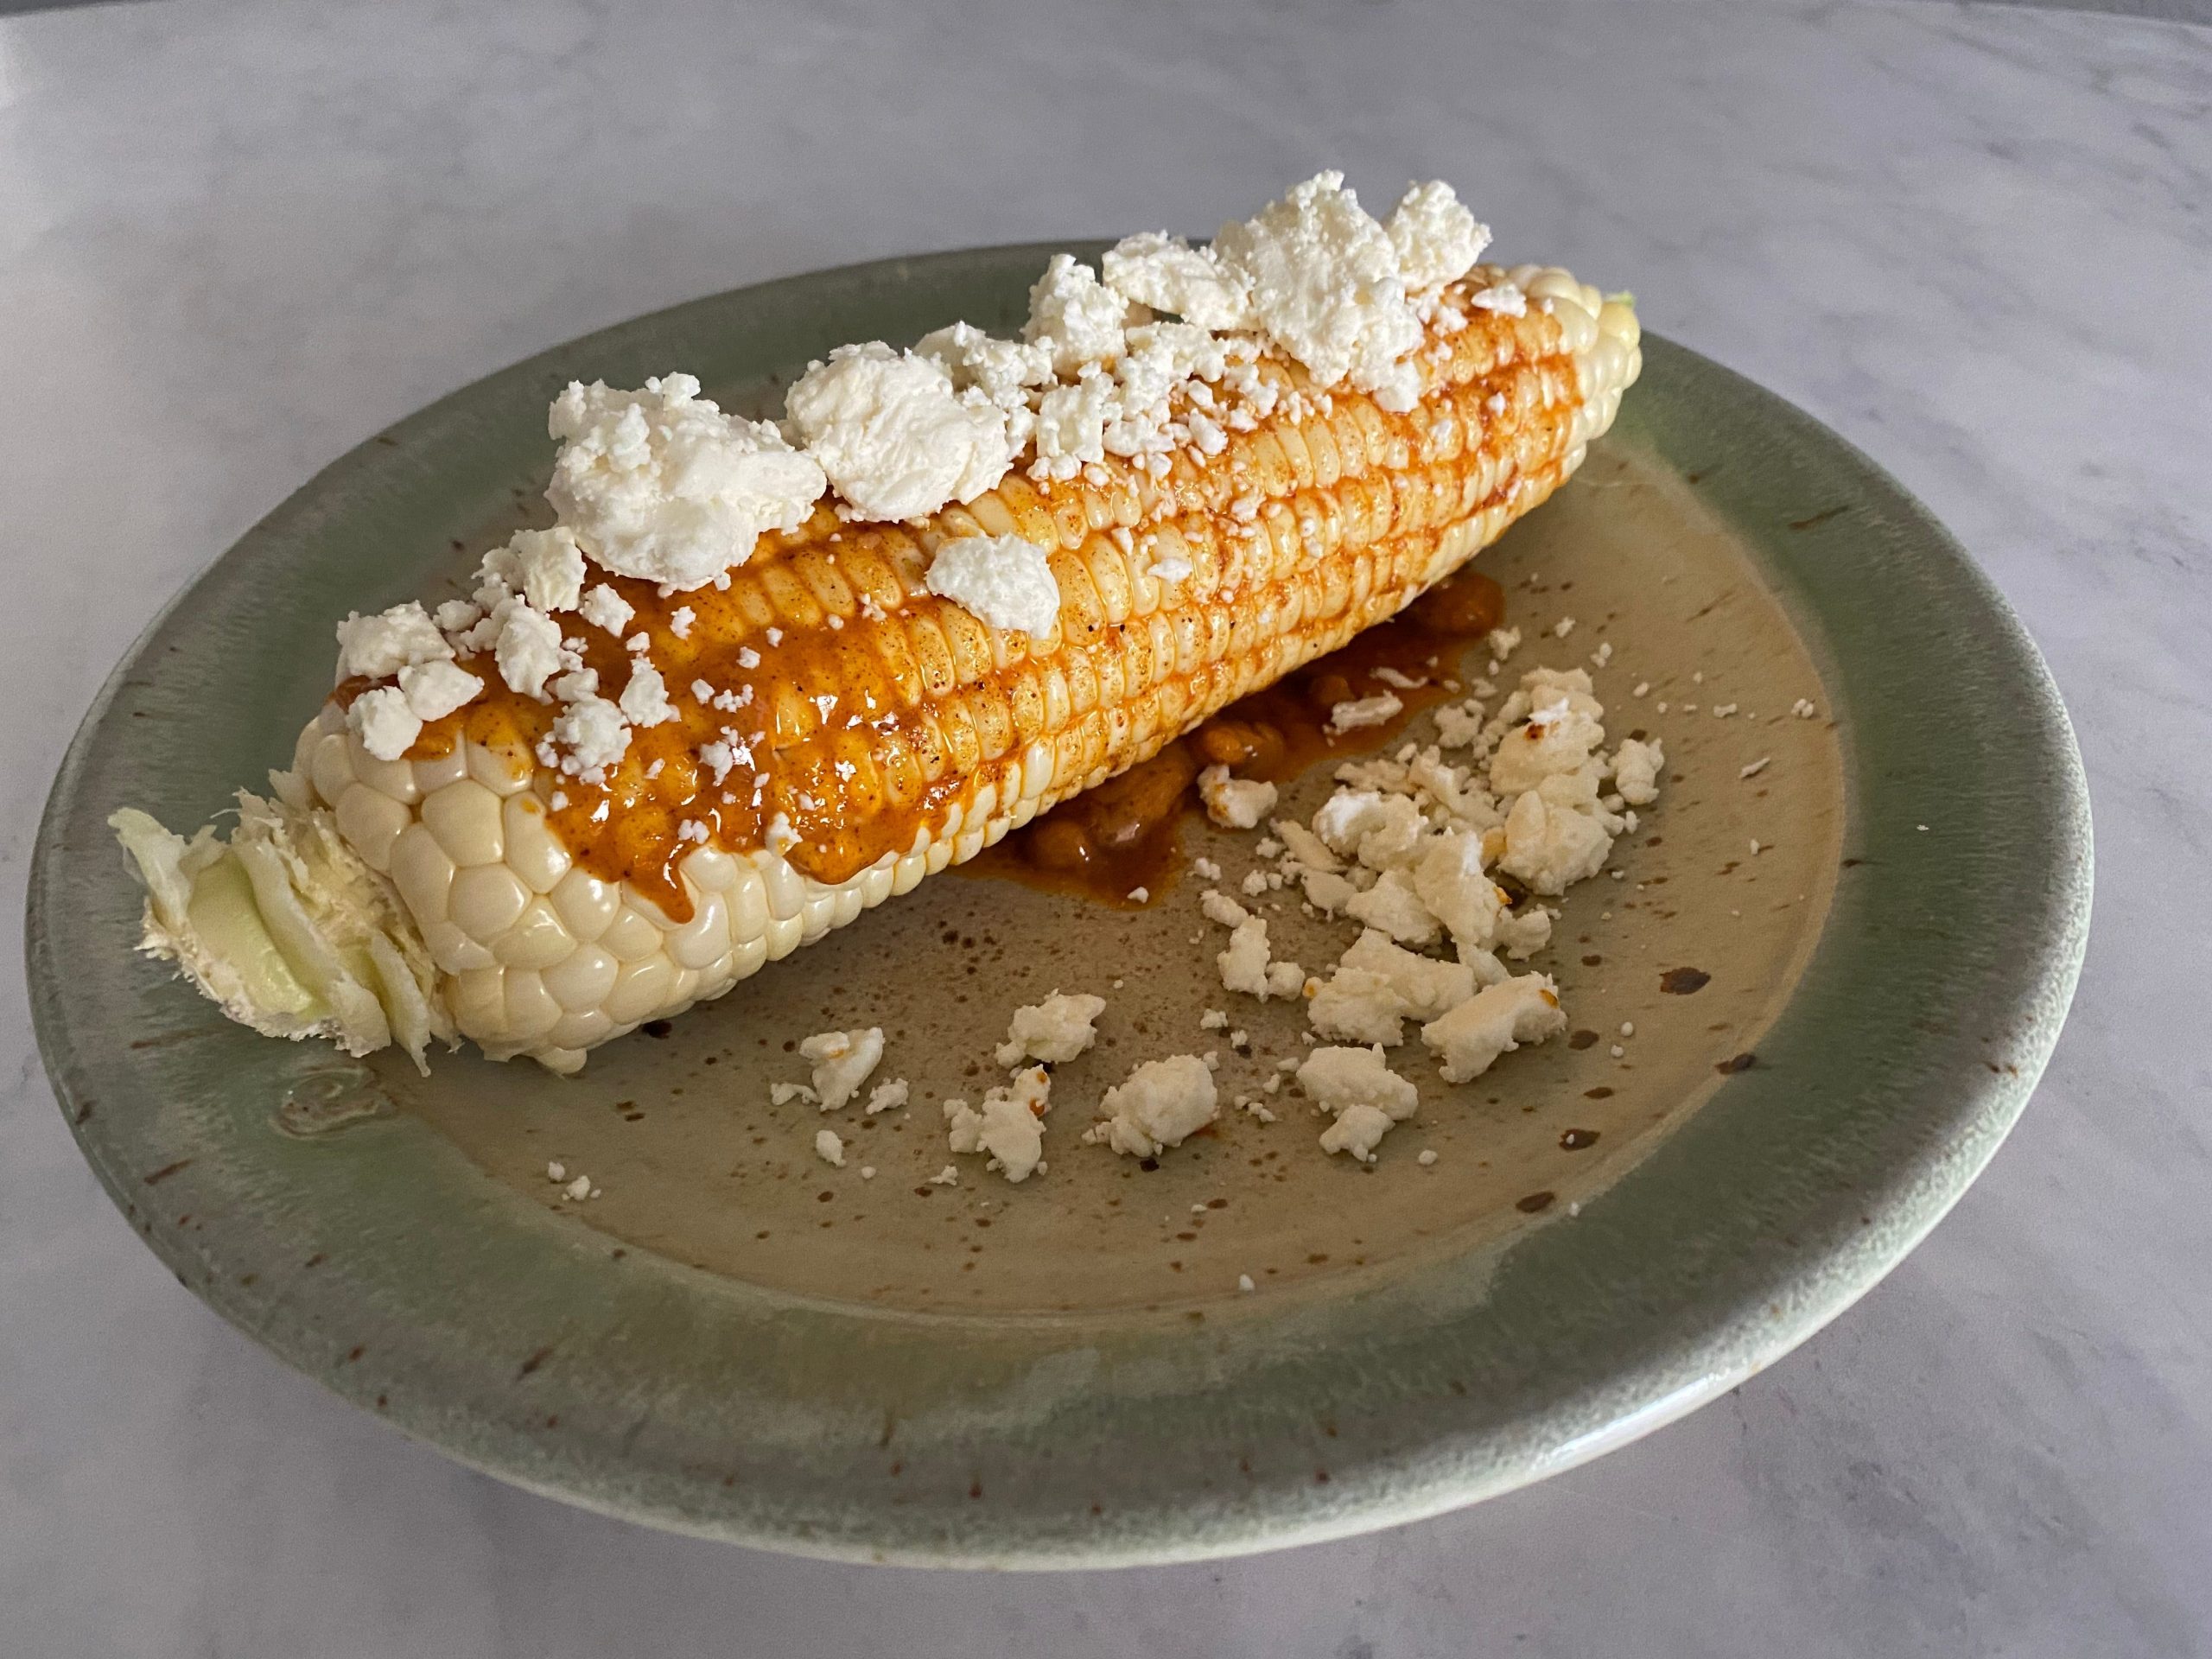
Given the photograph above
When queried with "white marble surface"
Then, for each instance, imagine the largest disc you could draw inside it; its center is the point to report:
(234, 240)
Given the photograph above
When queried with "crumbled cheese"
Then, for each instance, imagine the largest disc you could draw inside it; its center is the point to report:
(383, 722)
(1159, 1105)
(1392, 906)
(1751, 771)
(1304, 848)
(1080, 322)
(593, 734)
(1448, 880)
(1507, 301)
(376, 647)
(1436, 239)
(1008, 1125)
(1244, 1283)
(1245, 967)
(1366, 1095)
(680, 620)
(435, 690)
(1803, 709)
(605, 608)
(1235, 803)
(1377, 985)
(841, 1062)
(1205, 870)
(579, 1189)
(893, 436)
(1551, 845)
(829, 1149)
(887, 1096)
(644, 699)
(946, 1177)
(1636, 765)
(458, 615)
(1360, 712)
(546, 567)
(1327, 288)
(659, 484)
(1219, 907)
(1003, 580)
(1002, 369)
(1166, 274)
(1071, 421)
(1495, 1019)
(526, 645)
(1369, 826)
(1054, 1031)
(1213, 1019)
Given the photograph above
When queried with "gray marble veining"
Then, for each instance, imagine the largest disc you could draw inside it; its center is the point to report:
(236, 239)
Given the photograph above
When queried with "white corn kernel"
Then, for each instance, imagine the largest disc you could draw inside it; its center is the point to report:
(494, 771)
(586, 905)
(534, 852)
(372, 822)
(466, 819)
(486, 900)
(581, 981)
(423, 873)
(642, 988)
(537, 939)
(631, 937)
(532, 1010)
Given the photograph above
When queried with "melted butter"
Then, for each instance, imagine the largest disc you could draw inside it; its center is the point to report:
(1125, 835)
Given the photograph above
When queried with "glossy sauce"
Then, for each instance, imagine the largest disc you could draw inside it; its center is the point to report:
(1125, 836)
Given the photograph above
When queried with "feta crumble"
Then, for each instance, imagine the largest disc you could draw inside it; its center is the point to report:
(1468, 1039)
(1008, 1125)
(659, 484)
(1327, 288)
(1164, 273)
(1361, 712)
(1235, 803)
(1076, 318)
(591, 735)
(383, 722)
(1245, 966)
(1367, 1097)
(644, 699)
(1003, 580)
(435, 690)
(841, 1062)
(829, 1149)
(892, 435)
(376, 647)
(604, 608)
(1159, 1105)
(1054, 1031)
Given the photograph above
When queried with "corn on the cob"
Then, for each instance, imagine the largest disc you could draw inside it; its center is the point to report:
(896, 732)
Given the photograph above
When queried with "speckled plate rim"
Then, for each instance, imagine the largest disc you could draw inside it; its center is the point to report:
(643, 1388)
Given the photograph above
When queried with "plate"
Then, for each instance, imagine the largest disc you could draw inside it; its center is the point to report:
(737, 1340)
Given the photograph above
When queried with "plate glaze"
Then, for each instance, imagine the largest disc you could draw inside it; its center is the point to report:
(739, 1340)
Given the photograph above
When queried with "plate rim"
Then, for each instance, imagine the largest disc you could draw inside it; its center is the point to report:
(1811, 1285)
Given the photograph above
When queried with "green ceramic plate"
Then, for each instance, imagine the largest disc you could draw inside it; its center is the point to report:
(740, 1341)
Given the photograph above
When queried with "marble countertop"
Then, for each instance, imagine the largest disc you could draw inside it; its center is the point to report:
(236, 239)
